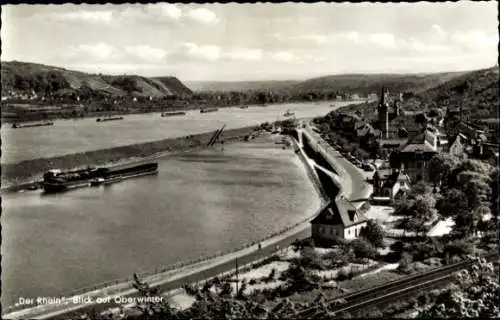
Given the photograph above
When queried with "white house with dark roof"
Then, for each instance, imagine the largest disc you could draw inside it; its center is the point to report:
(395, 184)
(457, 147)
(339, 220)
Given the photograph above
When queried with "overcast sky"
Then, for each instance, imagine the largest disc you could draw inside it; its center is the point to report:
(253, 41)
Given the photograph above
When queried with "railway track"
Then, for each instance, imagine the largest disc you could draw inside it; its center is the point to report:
(394, 290)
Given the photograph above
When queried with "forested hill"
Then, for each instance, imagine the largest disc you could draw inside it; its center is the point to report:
(364, 84)
(23, 77)
(476, 92)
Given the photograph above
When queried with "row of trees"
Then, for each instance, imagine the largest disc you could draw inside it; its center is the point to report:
(266, 96)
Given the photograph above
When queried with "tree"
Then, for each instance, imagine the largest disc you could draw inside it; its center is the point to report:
(474, 293)
(373, 233)
(495, 196)
(152, 309)
(405, 261)
(441, 166)
(423, 212)
(452, 203)
(476, 187)
(363, 249)
(419, 189)
(467, 165)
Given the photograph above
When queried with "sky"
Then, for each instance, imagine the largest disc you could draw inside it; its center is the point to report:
(242, 42)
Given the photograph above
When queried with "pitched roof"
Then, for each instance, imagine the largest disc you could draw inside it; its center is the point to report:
(417, 147)
(339, 212)
(395, 177)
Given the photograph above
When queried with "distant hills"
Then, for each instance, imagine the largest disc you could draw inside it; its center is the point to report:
(475, 89)
(22, 77)
(362, 84)
(371, 83)
(226, 86)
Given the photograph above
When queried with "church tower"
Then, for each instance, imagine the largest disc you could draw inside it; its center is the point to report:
(383, 114)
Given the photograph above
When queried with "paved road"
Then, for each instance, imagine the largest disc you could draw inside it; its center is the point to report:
(356, 186)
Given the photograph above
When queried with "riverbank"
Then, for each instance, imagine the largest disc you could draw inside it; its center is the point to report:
(23, 174)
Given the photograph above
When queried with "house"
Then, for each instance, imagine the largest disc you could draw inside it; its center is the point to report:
(338, 220)
(348, 123)
(395, 184)
(457, 147)
(435, 139)
(414, 159)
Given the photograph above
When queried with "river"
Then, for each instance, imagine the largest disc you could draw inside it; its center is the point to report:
(200, 203)
(72, 136)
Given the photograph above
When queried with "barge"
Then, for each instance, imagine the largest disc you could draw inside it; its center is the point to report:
(289, 113)
(31, 125)
(173, 114)
(243, 107)
(206, 110)
(56, 180)
(108, 119)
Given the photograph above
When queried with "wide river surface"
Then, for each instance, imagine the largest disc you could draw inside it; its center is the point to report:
(200, 203)
(72, 136)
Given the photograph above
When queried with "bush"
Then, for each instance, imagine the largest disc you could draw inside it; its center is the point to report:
(374, 234)
(404, 262)
(363, 249)
(344, 274)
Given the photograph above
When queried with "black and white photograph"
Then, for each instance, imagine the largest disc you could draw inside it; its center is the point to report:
(324, 160)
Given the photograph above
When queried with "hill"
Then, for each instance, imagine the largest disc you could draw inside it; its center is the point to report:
(476, 92)
(225, 86)
(365, 84)
(23, 77)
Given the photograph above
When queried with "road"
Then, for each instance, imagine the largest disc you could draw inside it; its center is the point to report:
(354, 180)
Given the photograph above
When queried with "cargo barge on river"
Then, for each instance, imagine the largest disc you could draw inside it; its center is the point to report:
(31, 125)
(173, 114)
(108, 119)
(56, 180)
(207, 110)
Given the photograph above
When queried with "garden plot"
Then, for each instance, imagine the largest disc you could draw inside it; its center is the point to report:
(333, 274)
(259, 278)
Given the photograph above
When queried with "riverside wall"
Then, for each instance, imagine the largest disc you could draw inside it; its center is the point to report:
(311, 171)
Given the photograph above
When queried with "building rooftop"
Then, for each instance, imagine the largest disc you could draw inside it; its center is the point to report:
(396, 176)
(417, 147)
(339, 212)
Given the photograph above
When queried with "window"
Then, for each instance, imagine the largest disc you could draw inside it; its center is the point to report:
(356, 232)
(320, 229)
(349, 231)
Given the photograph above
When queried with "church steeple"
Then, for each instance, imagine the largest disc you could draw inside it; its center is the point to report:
(383, 114)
